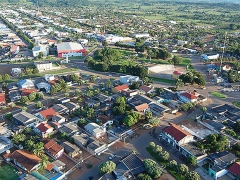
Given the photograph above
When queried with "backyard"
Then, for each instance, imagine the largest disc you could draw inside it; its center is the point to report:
(7, 172)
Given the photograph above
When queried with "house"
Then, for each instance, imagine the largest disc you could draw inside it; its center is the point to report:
(102, 98)
(12, 87)
(71, 106)
(69, 128)
(40, 49)
(207, 57)
(26, 92)
(43, 66)
(47, 114)
(14, 95)
(26, 84)
(2, 99)
(94, 129)
(92, 103)
(70, 49)
(63, 100)
(25, 119)
(58, 165)
(146, 89)
(59, 119)
(93, 146)
(158, 109)
(71, 149)
(121, 131)
(128, 79)
(60, 109)
(216, 164)
(129, 166)
(52, 148)
(5, 144)
(43, 86)
(138, 104)
(120, 88)
(24, 159)
(226, 68)
(234, 169)
(176, 136)
(130, 93)
(44, 129)
(187, 97)
(105, 120)
(49, 77)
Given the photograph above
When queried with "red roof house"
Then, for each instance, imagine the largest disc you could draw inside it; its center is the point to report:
(188, 97)
(52, 148)
(48, 113)
(44, 129)
(235, 169)
(26, 92)
(178, 134)
(2, 99)
(120, 88)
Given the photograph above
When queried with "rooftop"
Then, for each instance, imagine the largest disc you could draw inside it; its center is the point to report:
(69, 46)
(235, 169)
(52, 146)
(121, 87)
(48, 113)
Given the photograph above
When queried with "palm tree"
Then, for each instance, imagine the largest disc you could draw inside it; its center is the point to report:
(80, 82)
(29, 144)
(204, 109)
(43, 163)
(38, 149)
(179, 83)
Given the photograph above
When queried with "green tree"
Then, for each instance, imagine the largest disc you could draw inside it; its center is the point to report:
(39, 104)
(148, 115)
(107, 167)
(32, 96)
(24, 99)
(129, 120)
(164, 155)
(158, 149)
(204, 109)
(43, 163)
(192, 160)
(80, 82)
(39, 95)
(29, 145)
(108, 84)
(92, 78)
(192, 176)
(176, 60)
(154, 121)
(82, 121)
(38, 149)
(179, 83)
(40, 55)
(8, 116)
(78, 92)
(18, 138)
(5, 77)
(74, 77)
(105, 43)
(89, 58)
(183, 169)
(152, 145)
(24, 108)
(142, 176)
(1, 78)
(35, 71)
(152, 168)
(90, 113)
(173, 164)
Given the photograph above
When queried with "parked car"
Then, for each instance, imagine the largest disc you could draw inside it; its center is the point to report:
(147, 126)
(112, 156)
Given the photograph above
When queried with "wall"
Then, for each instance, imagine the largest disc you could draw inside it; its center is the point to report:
(221, 173)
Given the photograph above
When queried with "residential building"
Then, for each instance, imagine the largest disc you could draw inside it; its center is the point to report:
(25, 119)
(52, 148)
(59, 166)
(60, 109)
(43, 66)
(94, 129)
(70, 49)
(121, 131)
(24, 159)
(92, 103)
(26, 84)
(69, 128)
(144, 35)
(2, 99)
(71, 149)
(40, 49)
(105, 120)
(234, 169)
(207, 57)
(43, 86)
(71, 106)
(63, 100)
(146, 89)
(216, 164)
(46, 114)
(26, 92)
(5, 144)
(44, 129)
(128, 79)
(59, 119)
(49, 77)
(120, 88)
(187, 97)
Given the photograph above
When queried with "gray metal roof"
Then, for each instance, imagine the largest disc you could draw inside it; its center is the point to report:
(69, 46)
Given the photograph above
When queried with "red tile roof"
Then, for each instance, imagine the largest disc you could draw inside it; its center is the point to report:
(43, 127)
(26, 92)
(48, 113)
(142, 107)
(235, 169)
(145, 88)
(177, 72)
(176, 132)
(25, 159)
(50, 166)
(2, 98)
(52, 147)
(189, 95)
(122, 87)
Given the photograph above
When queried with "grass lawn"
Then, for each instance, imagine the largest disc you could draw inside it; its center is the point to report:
(154, 61)
(76, 57)
(219, 95)
(7, 172)
(124, 52)
(169, 81)
(236, 104)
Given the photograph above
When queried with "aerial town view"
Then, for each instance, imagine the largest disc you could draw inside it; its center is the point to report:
(119, 90)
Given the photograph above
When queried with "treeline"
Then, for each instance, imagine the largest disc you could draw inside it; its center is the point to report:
(19, 32)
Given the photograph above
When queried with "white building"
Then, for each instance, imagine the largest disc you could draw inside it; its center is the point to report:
(83, 41)
(45, 66)
(94, 129)
(113, 38)
(209, 56)
(49, 77)
(144, 35)
(180, 42)
(128, 79)
(37, 49)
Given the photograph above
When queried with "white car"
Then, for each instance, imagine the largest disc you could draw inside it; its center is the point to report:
(112, 156)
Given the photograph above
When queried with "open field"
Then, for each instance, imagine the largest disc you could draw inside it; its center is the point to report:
(7, 172)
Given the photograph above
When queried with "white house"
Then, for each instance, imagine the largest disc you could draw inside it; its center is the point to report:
(49, 77)
(26, 84)
(94, 129)
(37, 49)
(128, 79)
(188, 96)
(144, 35)
(210, 56)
